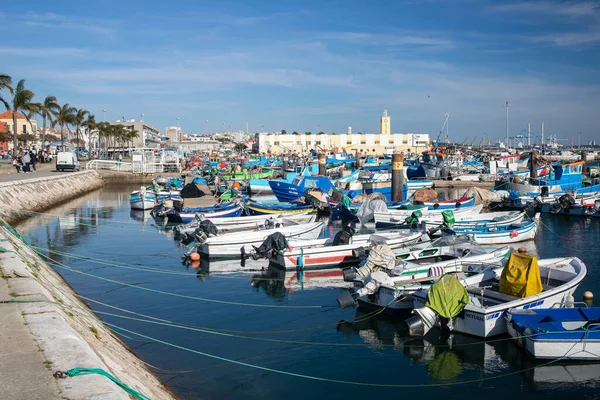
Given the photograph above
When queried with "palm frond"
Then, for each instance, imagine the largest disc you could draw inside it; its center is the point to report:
(6, 82)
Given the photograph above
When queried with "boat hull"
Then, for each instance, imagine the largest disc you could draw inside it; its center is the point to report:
(323, 255)
(489, 321)
(230, 245)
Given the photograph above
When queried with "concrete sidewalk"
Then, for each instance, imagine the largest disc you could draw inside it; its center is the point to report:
(43, 170)
(24, 371)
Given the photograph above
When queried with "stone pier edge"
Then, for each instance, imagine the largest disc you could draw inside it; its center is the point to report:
(66, 330)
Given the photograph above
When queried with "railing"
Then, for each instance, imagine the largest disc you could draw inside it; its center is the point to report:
(112, 165)
(133, 167)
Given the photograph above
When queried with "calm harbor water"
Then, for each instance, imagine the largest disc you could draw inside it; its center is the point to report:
(263, 334)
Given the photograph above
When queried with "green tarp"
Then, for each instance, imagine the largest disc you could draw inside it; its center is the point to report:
(447, 297)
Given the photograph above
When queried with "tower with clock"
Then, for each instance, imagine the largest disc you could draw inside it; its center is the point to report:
(384, 126)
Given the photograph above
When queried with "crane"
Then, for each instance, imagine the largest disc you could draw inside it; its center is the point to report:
(481, 143)
(444, 125)
(473, 141)
(463, 142)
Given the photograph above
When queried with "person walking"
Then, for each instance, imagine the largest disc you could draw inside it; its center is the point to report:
(26, 162)
(33, 157)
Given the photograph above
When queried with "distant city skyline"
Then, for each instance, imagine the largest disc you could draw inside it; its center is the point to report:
(318, 66)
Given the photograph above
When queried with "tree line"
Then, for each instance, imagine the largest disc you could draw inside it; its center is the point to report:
(19, 99)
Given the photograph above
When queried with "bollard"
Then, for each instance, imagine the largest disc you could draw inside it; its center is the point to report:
(397, 176)
(533, 159)
(356, 159)
(322, 164)
(584, 159)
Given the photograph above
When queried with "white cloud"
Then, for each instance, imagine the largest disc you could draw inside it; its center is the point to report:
(573, 10)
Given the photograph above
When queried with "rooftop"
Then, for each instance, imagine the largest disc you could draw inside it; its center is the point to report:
(9, 115)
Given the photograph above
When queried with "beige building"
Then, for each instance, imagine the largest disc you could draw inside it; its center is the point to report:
(23, 126)
(149, 136)
(370, 143)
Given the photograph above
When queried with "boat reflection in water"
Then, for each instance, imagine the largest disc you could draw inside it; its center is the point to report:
(274, 280)
(455, 357)
(291, 280)
(141, 215)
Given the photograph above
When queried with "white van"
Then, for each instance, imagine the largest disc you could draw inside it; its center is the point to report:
(67, 160)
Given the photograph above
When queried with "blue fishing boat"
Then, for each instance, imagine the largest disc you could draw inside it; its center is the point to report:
(209, 209)
(558, 179)
(175, 217)
(262, 185)
(258, 208)
(288, 192)
(557, 333)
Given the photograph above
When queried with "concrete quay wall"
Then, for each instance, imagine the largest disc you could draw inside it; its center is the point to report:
(40, 194)
(67, 332)
(53, 318)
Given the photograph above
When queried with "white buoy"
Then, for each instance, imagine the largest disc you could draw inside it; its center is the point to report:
(569, 301)
(588, 295)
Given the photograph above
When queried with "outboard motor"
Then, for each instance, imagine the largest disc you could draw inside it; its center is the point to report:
(344, 236)
(589, 211)
(565, 202)
(273, 244)
(545, 191)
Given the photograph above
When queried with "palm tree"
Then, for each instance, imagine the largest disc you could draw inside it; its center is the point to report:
(78, 119)
(48, 110)
(5, 83)
(103, 131)
(132, 135)
(64, 117)
(89, 125)
(21, 102)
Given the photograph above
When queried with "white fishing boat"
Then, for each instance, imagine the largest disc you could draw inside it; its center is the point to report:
(248, 223)
(320, 253)
(142, 199)
(488, 220)
(434, 216)
(506, 234)
(418, 268)
(552, 280)
(235, 244)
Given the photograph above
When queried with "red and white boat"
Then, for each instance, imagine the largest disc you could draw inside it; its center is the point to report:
(321, 253)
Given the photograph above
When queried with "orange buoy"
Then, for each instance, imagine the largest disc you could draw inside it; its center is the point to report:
(195, 257)
(522, 250)
(195, 264)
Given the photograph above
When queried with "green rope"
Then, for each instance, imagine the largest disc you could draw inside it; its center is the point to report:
(87, 371)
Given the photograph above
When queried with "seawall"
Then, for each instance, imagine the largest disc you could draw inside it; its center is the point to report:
(67, 332)
(46, 326)
(40, 194)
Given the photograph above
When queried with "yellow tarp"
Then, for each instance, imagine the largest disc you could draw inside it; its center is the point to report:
(521, 276)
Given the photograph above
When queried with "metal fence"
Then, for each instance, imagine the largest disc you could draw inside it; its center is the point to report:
(133, 167)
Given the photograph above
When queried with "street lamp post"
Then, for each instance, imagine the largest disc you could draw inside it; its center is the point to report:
(142, 117)
(507, 105)
(178, 130)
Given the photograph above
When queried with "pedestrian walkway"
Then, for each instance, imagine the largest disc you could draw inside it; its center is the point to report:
(43, 170)
(24, 372)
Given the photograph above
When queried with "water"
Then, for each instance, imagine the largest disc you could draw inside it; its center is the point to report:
(264, 335)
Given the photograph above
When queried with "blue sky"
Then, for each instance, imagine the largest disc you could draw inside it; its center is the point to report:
(316, 65)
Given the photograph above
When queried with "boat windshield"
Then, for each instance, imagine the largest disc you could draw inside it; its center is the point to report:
(460, 243)
(296, 180)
